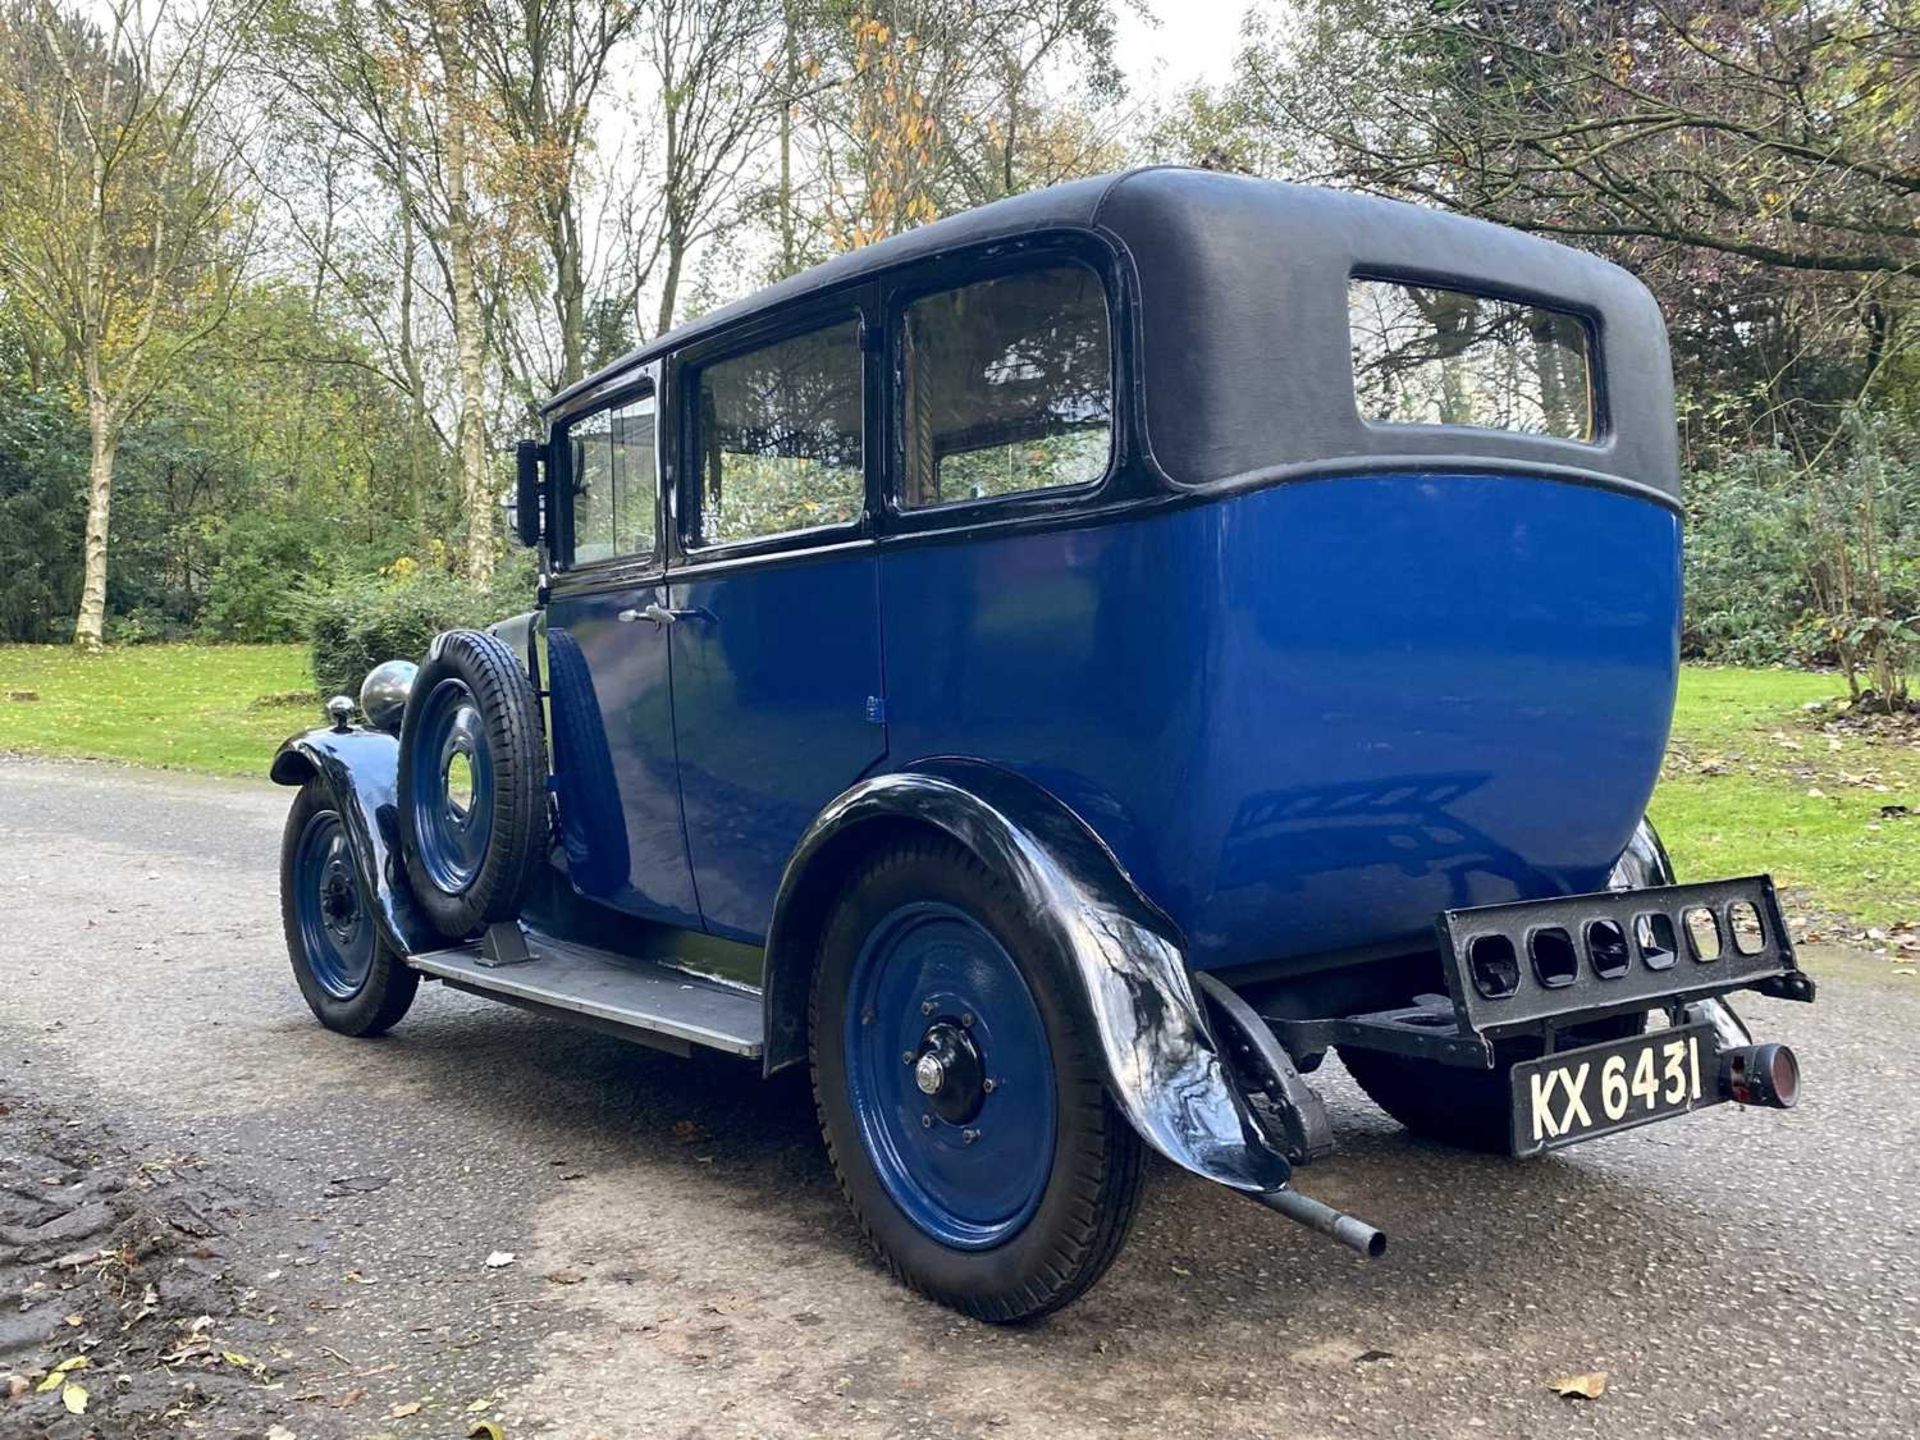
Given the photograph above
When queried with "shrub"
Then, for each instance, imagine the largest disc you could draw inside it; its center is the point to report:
(359, 623)
(255, 557)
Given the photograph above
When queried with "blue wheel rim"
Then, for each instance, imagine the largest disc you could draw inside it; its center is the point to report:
(451, 828)
(969, 1164)
(336, 930)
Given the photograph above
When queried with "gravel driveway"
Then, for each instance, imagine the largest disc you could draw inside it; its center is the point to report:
(297, 1229)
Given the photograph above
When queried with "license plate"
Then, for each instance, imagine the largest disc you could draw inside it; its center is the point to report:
(1576, 1094)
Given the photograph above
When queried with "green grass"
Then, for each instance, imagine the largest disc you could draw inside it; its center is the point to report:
(1753, 781)
(215, 708)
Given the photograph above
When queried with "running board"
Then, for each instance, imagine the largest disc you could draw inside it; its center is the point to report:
(642, 1000)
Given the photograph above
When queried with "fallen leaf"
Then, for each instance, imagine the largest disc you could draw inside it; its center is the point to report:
(234, 1357)
(400, 1412)
(17, 1385)
(279, 1432)
(1590, 1386)
(74, 1397)
(566, 1277)
(52, 1382)
(349, 1399)
(356, 1278)
(486, 1430)
(72, 1362)
(76, 1320)
(686, 1132)
(485, 1402)
(499, 1258)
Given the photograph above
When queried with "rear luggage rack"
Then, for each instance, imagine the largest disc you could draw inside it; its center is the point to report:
(1536, 965)
(1518, 966)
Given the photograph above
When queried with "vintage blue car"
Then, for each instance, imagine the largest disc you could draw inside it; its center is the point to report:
(1057, 674)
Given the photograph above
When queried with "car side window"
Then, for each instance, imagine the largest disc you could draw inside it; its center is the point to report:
(780, 443)
(1006, 387)
(616, 481)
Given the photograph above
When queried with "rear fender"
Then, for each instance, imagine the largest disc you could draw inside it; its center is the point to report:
(362, 768)
(1122, 959)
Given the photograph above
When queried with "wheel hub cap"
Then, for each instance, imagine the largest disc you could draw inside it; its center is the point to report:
(951, 1073)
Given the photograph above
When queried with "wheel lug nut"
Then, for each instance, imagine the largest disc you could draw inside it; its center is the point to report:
(967, 1019)
(926, 1007)
(926, 1122)
(969, 1135)
(989, 1085)
(907, 1057)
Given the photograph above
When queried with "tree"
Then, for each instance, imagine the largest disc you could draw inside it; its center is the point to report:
(401, 86)
(1758, 162)
(546, 63)
(714, 61)
(122, 230)
(923, 107)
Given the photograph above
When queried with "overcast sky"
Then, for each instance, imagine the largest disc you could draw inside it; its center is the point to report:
(1194, 40)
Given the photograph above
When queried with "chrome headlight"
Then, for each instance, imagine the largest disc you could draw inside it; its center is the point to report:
(383, 694)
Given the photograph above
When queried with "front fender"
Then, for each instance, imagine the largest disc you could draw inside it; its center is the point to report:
(1124, 957)
(362, 770)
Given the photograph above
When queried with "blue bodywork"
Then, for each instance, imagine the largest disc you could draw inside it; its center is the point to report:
(1312, 716)
(1304, 718)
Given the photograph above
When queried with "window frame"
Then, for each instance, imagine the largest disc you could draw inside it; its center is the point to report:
(1049, 253)
(762, 333)
(648, 562)
(1599, 389)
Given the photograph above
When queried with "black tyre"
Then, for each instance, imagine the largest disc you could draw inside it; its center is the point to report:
(472, 784)
(352, 982)
(1457, 1106)
(965, 1113)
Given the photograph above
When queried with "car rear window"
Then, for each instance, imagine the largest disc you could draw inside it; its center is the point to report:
(1007, 387)
(1429, 356)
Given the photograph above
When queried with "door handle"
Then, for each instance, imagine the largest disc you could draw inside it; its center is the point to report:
(658, 614)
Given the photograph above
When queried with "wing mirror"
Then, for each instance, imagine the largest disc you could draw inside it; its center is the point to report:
(526, 492)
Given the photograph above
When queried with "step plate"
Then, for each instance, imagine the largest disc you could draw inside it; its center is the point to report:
(613, 989)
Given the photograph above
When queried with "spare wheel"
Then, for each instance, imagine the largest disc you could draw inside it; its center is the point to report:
(472, 788)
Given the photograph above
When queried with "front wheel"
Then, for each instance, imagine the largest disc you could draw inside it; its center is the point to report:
(352, 981)
(964, 1112)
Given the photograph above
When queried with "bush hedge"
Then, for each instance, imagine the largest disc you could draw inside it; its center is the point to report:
(359, 623)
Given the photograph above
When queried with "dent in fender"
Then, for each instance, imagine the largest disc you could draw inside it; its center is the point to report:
(362, 769)
(1127, 969)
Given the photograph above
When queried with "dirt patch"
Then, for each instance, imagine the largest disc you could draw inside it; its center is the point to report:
(118, 1317)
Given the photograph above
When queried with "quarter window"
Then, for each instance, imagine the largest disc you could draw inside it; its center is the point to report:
(780, 438)
(1007, 387)
(616, 482)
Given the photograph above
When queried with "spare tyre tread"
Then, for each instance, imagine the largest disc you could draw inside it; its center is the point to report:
(504, 695)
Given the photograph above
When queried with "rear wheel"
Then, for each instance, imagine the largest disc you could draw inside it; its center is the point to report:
(351, 980)
(966, 1116)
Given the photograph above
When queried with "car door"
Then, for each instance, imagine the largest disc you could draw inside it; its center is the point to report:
(775, 636)
(611, 705)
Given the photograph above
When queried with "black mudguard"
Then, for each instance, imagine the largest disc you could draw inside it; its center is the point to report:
(362, 769)
(1126, 963)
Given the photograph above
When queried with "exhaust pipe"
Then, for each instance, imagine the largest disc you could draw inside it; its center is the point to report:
(1760, 1075)
(1356, 1235)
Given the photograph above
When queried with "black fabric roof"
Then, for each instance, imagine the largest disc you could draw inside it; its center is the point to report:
(1242, 291)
